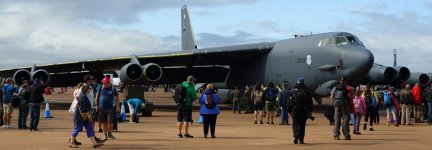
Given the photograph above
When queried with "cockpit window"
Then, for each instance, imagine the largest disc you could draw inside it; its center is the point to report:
(354, 41)
(340, 41)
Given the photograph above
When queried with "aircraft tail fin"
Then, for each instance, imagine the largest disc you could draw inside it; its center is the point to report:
(188, 38)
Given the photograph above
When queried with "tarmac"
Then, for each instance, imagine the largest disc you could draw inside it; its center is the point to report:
(233, 131)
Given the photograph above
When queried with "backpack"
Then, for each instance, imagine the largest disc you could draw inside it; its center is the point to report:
(210, 101)
(368, 98)
(358, 108)
(387, 99)
(298, 98)
(271, 94)
(405, 96)
(179, 94)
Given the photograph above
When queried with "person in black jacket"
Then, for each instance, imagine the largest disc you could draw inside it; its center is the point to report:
(300, 107)
(24, 96)
(36, 98)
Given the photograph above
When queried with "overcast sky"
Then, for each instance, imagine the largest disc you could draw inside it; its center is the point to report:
(54, 31)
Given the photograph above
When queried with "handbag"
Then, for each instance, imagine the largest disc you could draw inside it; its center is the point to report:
(84, 116)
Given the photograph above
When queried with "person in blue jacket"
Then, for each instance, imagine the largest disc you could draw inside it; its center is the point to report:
(209, 110)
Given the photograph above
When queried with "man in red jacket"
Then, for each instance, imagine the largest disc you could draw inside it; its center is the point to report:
(417, 99)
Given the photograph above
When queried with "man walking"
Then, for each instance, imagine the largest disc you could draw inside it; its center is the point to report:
(8, 89)
(340, 98)
(105, 97)
(36, 98)
(300, 106)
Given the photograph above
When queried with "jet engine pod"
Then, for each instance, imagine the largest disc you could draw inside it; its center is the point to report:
(381, 75)
(21, 75)
(152, 72)
(130, 73)
(41, 74)
(403, 73)
(421, 78)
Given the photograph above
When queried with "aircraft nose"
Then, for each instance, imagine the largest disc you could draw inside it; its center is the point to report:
(357, 63)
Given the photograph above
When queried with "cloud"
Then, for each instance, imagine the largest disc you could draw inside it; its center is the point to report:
(409, 32)
(52, 31)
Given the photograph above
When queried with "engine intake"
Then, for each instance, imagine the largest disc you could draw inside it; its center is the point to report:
(421, 78)
(381, 75)
(133, 73)
(403, 73)
(21, 75)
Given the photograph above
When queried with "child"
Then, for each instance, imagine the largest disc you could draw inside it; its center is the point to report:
(359, 110)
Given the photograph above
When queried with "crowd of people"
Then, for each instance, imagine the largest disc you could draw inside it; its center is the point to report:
(100, 104)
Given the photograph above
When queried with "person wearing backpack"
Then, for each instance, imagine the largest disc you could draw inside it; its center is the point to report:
(209, 110)
(368, 96)
(184, 106)
(106, 96)
(284, 96)
(8, 89)
(300, 107)
(24, 96)
(258, 99)
(405, 99)
(339, 96)
(270, 100)
(390, 103)
(359, 110)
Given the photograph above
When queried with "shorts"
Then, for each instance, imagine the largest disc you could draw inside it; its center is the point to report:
(418, 107)
(270, 106)
(7, 108)
(258, 107)
(184, 113)
(106, 116)
(391, 109)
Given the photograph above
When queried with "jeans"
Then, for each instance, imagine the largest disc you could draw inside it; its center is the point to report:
(236, 105)
(22, 116)
(133, 110)
(406, 113)
(357, 118)
(284, 115)
(34, 115)
(342, 113)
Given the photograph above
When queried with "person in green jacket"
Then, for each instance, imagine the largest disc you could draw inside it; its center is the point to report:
(184, 111)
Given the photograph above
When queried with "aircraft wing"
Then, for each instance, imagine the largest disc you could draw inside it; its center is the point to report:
(222, 56)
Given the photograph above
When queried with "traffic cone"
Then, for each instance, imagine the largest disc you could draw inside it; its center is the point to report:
(47, 110)
(122, 112)
(201, 120)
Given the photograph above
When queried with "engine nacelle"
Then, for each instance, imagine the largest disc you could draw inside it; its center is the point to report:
(381, 75)
(130, 73)
(421, 78)
(403, 73)
(21, 75)
(133, 73)
(152, 72)
(41, 74)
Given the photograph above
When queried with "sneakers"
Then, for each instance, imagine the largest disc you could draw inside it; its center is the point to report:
(336, 138)
(267, 123)
(255, 122)
(364, 126)
(187, 135)
(213, 136)
(111, 137)
(104, 138)
(272, 123)
(97, 145)
(261, 122)
(371, 129)
(180, 136)
(409, 124)
(73, 145)
(348, 138)
(295, 141)
(301, 142)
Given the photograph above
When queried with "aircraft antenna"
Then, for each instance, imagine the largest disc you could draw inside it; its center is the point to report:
(394, 57)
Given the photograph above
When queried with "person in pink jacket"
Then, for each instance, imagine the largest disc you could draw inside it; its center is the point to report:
(359, 110)
(417, 99)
